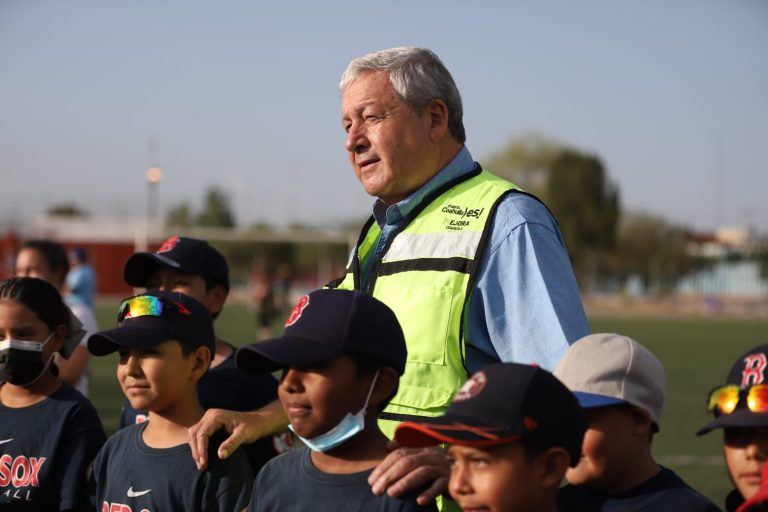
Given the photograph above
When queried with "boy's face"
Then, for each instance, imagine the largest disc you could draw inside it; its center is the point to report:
(316, 399)
(192, 285)
(746, 450)
(156, 378)
(609, 443)
(498, 478)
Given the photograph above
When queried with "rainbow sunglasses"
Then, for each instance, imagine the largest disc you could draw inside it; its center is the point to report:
(150, 305)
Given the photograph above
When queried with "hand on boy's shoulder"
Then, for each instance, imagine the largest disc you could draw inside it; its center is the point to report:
(424, 471)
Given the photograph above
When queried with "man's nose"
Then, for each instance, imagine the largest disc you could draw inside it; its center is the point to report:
(356, 139)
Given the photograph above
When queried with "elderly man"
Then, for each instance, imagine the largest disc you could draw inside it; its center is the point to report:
(474, 268)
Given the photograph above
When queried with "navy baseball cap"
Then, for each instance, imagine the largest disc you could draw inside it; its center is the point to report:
(326, 324)
(185, 255)
(503, 403)
(149, 319)
(750, 369)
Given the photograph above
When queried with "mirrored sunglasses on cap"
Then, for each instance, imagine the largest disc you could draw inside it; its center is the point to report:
(725, 399)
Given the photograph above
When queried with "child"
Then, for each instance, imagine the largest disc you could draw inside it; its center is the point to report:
(621, 386)
(49, 433)
(196, 269)
(512, 430)
(165, 341)
(48, 260)
(740, 407)
(341, 353)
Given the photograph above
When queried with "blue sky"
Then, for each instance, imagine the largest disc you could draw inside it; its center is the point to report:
(673, 96)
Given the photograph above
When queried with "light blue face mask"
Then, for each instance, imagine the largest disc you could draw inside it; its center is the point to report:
(349, 426)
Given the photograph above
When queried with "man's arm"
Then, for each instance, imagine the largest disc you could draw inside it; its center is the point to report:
(526, 307)
(242, 427)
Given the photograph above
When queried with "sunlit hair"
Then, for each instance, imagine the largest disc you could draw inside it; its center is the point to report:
(418, 77)
(39, 296)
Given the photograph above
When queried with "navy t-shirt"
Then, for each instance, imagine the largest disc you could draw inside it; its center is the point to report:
(664, 492)
(226, 387)
(129, 475)
(291, 483)
(45, 451)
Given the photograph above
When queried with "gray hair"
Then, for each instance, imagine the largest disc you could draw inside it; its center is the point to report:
(418, 77)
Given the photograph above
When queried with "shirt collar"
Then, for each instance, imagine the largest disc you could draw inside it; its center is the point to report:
(461, 164)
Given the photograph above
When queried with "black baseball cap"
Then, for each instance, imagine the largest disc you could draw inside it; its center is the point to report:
(326, 324)
(504, 403)
(185, 255)
(151, 318)
(750, 368)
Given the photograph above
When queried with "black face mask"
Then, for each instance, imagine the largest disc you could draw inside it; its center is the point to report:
(21, 362)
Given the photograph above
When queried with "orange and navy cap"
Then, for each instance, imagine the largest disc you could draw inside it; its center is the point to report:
(504, 403)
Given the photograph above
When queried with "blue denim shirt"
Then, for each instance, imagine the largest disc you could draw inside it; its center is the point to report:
(526, 307)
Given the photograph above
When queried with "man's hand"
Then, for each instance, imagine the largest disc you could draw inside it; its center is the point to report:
(406, 469)
(242, 427)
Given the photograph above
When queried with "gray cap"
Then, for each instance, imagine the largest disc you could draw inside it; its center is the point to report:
(611, 369)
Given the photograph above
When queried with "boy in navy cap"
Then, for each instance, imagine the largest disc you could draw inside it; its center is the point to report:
(620, 385)
(341, 354)
(165, 341)
(512, 431)
(196, 269)
(740, 407)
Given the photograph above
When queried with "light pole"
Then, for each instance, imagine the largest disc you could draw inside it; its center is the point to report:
(154, 175)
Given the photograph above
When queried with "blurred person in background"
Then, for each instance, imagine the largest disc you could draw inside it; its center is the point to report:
(49, 261)
(81, 279)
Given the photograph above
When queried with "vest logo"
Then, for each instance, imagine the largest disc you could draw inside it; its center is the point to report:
(20, 471)
(462, 211)
(297, 310)
(471, 388)
(754, 370)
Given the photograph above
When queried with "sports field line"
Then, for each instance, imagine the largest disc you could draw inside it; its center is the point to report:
(691, 460)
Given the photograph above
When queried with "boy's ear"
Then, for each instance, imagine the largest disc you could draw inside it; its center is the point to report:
(385, 385)
(201, 359)
(552, 465)
(642, 424)
(217, 296)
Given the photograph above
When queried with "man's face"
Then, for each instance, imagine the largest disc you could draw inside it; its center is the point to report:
(608, 444)
(389, 145)
(192, 285)
(316, 399)
(493, 479)
(746, 450)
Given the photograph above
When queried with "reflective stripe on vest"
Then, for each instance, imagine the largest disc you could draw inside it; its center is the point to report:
(425, 276)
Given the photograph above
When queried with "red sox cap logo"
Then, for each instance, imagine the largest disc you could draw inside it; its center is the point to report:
(471, 388)
(297, 310)
(754, 370)
(168, 245)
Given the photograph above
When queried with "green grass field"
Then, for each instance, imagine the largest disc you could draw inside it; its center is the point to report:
(696, 353)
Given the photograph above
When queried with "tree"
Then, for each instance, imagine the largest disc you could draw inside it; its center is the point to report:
(654, 250)
(216, 211)
(179, 216)
(586, 204)
(66, 210)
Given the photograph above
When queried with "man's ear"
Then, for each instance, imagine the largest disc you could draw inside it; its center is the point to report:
(201, 359)
(552, 465)
(385, 385)
(437, 111)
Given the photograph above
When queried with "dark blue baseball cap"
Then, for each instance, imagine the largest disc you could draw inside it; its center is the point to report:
(749, 369)
(151, 318)
(326, 324)
(505, 403)
(185, 255)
